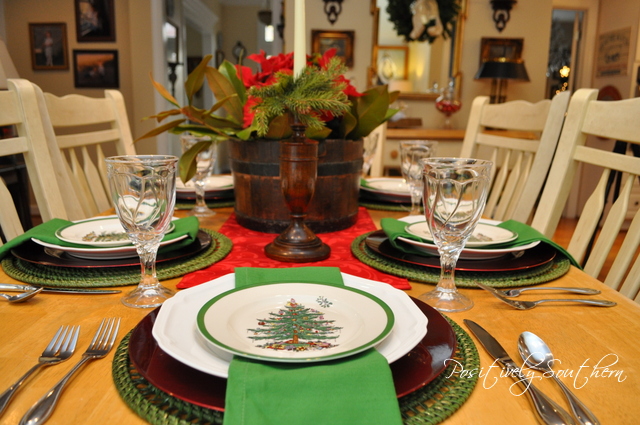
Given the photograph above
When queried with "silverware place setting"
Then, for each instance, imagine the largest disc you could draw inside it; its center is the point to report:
(527, 305)
(60, 348)
(99, 347)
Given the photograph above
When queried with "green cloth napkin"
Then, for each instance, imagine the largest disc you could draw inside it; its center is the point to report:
(526, 234)
(365, 183)
(355, 390)
(46, 232)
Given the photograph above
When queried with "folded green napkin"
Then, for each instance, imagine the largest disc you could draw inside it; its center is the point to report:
(355, 390)
(46, 232)
(526, 234)
(365, 183)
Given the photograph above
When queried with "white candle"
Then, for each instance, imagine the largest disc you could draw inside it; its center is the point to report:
(299, 39)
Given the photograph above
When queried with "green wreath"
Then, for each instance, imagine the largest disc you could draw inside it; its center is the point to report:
(402, 17)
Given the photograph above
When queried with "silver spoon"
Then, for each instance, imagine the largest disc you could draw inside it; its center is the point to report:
(537, 355)
(20, 297)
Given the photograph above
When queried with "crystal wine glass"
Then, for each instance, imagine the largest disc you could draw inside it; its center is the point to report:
(455, 194)
(205, 161)
(411, 153)
(143, 189)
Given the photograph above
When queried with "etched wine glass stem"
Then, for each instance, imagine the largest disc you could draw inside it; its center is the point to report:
(199, 183)
(148, 253)
(416, 197)
(448, 262)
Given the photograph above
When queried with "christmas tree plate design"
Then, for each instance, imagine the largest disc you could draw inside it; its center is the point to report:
(175, 328)
(294, 322)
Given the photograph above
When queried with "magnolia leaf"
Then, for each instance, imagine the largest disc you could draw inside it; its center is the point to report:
(245, 134)
(372, 109)
(164, 92)
(319, 134)
(161, 116)
(188, 164)
(279, 128)
(222, 88)
(228, 70)
(393, 96)
(200, 131)
(196, 79)
(347, 124)
(166, 127)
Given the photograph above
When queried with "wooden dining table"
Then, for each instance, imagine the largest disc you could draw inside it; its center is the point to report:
(597, 352)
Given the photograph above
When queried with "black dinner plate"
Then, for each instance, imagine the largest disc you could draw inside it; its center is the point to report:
(209, 195)
(414, 370)
(541, 254)
(369, 195)
(35, 253)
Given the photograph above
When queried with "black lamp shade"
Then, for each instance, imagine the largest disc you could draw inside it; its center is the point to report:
(503, 69)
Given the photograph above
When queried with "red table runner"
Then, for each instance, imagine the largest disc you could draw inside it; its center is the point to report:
(248, 251)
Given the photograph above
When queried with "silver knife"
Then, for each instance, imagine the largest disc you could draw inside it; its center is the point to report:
(27, 288)
(549, 411)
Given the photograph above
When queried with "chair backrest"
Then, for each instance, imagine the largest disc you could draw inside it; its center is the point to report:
(20, 109)
(379, 135)
(617, 120)
(86, 128)
(521, 157)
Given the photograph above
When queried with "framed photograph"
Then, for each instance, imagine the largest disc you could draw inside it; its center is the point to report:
(493, 48)
(96, 69)
(342, 41)
(95, 20)
(392, 62)
(49, 46)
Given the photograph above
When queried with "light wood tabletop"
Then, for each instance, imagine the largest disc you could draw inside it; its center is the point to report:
(596, 350)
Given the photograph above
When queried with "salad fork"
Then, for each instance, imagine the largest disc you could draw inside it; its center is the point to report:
(517, 291)
(99, 347)
(527, 305)
(61, 347)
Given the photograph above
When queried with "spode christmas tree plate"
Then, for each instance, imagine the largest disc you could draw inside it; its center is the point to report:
(294, 322)
(175, 327)
(484, 234)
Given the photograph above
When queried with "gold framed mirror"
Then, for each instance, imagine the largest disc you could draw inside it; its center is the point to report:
(430, 65)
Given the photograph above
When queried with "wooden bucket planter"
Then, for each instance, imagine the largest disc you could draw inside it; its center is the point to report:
(259, 202)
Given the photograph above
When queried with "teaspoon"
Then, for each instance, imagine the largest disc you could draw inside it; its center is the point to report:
(20, 297)
(537, 355)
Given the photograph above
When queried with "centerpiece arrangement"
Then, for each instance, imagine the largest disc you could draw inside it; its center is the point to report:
(255, 111)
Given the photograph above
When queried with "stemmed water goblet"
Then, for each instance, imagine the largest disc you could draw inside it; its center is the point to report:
(455, 194)
(143, 190)
(411, 153)
(205, 160)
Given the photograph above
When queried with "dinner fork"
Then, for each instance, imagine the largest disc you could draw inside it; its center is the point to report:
(527, 305)
(61, 347)
(99, 347)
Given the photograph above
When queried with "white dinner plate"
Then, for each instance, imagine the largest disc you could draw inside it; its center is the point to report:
(108, 253)
(175, 327)
(483, 235)
(88, 232)
(212, 183)
(467, 253)
(383, 185)
(294, 322)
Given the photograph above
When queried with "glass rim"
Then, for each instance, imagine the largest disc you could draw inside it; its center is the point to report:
(461, 162)
(141, 159)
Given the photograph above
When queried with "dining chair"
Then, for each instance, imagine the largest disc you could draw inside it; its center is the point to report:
(20, 109)
(82, 131)
(592, 241)
(379, 136)
(520, 138)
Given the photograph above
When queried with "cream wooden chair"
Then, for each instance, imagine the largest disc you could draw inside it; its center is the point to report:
(85, 127)
(379, 133)
(20, 108)
(617, 120)
(522, 160)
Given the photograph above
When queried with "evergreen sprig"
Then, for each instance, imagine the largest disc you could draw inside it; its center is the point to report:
(313, 93)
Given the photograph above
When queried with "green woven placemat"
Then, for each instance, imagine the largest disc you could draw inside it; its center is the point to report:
(384, 206)
(223, 203)
(466, 279)
(73, 277)
(427, 406)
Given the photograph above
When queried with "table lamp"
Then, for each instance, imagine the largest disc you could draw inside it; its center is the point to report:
(500, 70)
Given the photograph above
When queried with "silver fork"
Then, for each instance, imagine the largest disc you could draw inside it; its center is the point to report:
(60, 348)
(100, 345)
(517, 291)
(527, 305)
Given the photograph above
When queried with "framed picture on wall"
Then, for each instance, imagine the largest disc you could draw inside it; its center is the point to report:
(95, 20)
(392, 62)
(494, 48)
(96, 69)
(342, 41)
(49, 46)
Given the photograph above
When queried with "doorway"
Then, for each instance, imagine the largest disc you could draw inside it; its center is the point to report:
(565, 51)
